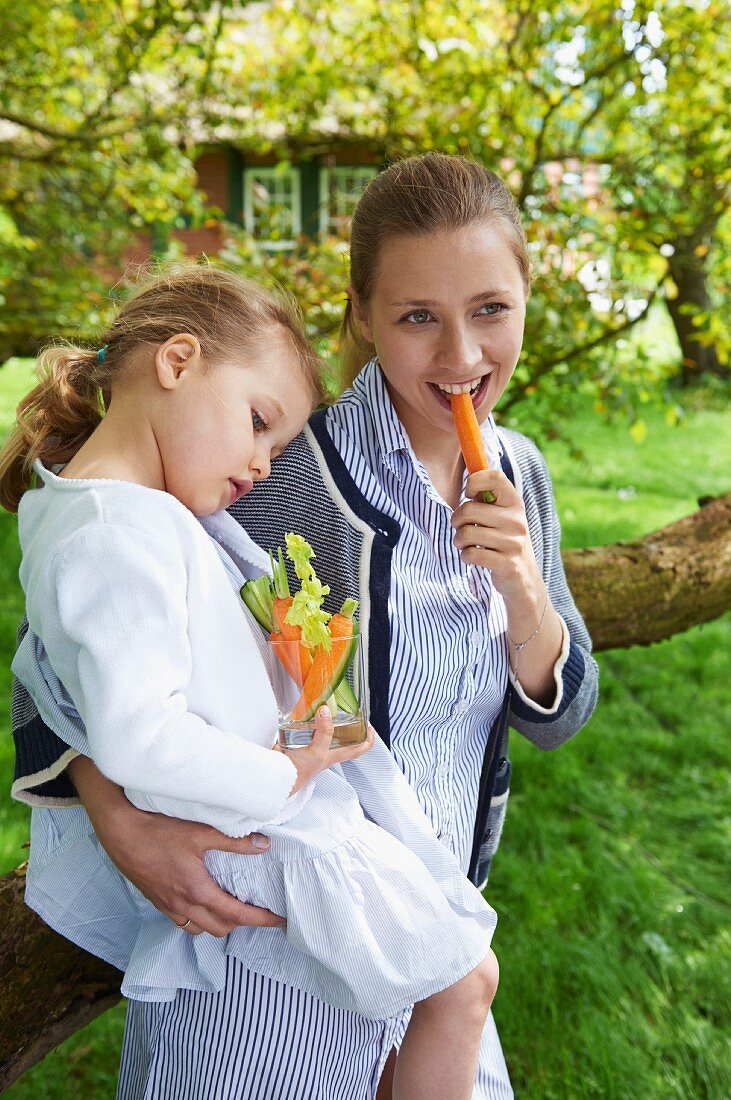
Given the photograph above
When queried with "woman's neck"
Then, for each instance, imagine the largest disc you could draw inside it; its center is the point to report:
(442, 460)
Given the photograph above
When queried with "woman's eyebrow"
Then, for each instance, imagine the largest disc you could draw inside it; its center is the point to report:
(427, 303)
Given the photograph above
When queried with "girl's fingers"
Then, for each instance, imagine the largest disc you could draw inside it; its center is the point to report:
(324, 729)
(352, 752)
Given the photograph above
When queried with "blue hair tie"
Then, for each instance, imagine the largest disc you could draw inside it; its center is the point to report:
(101, 355)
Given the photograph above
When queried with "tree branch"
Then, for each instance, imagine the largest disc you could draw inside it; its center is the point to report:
(518, 393)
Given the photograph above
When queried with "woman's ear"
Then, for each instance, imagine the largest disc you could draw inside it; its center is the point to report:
(360, 315)
(176, 359)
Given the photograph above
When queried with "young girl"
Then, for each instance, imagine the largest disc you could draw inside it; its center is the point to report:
(136, 624)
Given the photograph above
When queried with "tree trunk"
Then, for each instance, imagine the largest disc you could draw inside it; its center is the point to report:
(635, 593)
(48, 988)
(631, 593)
(688, 271)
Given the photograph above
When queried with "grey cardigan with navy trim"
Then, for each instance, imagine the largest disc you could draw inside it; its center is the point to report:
(311, 491)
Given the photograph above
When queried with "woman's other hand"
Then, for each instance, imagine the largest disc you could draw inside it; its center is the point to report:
(496, 536)
(164, 857)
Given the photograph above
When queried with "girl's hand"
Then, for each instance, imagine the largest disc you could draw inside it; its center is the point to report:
(317, 756)
(163, 857)
(496, 536)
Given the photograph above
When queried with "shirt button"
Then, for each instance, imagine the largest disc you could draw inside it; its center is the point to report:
(443, 770)
(461, 707)
(476, 638)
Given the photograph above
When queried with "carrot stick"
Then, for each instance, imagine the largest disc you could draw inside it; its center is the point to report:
(280, 607)
(295, 657)
(470, 437)
(327, 668)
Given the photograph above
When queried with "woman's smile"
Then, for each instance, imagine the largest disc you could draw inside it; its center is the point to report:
(476, 387)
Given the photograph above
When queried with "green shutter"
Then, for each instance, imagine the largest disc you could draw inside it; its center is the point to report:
(235, 212)
(310, 197)
(159, 240)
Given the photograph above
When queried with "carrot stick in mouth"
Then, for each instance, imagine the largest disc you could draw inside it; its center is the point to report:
(470, 437)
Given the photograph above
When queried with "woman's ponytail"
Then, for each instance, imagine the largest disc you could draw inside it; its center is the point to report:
(354, 351)
(54, 419)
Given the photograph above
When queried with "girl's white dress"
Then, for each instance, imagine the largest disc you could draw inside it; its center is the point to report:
(137, 626)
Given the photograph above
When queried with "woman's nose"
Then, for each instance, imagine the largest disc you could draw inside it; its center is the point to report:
(460, 351)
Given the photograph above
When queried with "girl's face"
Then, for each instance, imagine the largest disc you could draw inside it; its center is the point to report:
(446, 313)
(225, 424)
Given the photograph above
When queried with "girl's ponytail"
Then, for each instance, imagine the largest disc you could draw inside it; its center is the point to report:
(54, 419)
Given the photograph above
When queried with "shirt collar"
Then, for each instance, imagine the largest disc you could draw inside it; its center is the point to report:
(390, 434)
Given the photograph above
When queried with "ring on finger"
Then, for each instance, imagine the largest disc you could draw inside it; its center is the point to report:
(183, 926)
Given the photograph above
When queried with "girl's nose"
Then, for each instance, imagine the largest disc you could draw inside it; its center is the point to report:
(261, 463)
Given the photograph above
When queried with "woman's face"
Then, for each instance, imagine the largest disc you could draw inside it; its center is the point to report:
(446, 313)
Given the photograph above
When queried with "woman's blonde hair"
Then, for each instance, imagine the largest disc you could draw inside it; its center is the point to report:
(224, 311)
(419, 195)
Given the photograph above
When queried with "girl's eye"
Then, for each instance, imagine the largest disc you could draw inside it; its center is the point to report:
(260, 424)
(417, 317)
(490, 309)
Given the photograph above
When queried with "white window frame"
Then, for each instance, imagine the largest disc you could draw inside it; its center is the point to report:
(291, 174)
(338, 171)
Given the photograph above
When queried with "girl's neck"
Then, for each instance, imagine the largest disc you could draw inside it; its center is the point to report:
(121, 448)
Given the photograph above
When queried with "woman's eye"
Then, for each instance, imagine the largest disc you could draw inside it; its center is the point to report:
(417, 317)
(260, 424)
(489, 309)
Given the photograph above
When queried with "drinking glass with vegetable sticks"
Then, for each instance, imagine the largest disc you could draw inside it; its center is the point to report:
(319, 659)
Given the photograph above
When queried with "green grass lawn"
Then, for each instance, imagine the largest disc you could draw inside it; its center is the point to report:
(612, 880)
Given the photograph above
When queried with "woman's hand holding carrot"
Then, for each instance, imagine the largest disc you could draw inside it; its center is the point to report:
(496, 537)
(314, 758)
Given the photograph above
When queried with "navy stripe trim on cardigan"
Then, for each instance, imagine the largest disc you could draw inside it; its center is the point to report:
(386, 535)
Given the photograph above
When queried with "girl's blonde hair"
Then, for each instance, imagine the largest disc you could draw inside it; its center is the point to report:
(413, 197)
(224, 311)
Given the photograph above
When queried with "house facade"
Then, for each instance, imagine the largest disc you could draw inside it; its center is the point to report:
(277, 202)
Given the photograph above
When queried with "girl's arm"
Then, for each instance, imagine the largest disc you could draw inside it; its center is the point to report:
(163, 857)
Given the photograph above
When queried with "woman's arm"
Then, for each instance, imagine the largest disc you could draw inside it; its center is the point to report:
(558, 678)
(496, 536)
(164, 857)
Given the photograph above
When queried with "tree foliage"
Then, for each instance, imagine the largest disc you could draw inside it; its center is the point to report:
(93, 145)
(607, 119)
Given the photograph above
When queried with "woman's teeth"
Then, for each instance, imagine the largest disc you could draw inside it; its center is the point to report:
(460, 387)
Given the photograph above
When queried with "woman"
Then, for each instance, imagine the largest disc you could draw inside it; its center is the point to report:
(468, 624)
